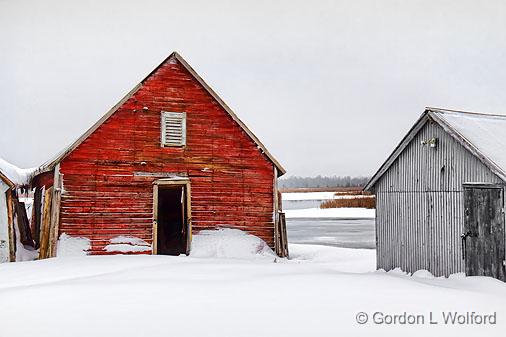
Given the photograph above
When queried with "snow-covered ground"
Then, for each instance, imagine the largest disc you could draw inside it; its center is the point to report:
(306, 205)
(246, 291)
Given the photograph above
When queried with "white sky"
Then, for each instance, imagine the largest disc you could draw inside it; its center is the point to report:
(329, 86)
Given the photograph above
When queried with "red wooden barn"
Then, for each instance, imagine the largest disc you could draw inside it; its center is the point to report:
(170, 159)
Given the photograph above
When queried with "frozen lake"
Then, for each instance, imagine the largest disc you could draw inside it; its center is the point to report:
(346, 232)
(337, 232)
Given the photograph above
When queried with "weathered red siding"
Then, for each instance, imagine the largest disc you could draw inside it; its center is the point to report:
(44, 179)
(231, 180)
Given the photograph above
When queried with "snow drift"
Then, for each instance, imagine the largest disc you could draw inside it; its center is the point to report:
(69, 246)
(229, 243)
(317, 293)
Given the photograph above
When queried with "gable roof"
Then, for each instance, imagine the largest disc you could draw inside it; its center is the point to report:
(484, 135)
(60, 156)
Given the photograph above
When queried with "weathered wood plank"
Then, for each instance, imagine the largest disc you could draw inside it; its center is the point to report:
(10, 220)
(46, 224)
(55, 212)
(25, 234)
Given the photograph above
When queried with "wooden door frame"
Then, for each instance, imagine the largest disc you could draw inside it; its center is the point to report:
(181, 182)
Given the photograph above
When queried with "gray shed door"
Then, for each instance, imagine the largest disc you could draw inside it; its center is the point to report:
(483, 237)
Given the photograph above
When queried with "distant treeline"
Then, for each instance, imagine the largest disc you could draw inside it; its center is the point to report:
(322, 182)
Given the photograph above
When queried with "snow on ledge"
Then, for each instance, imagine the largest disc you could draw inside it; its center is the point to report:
(126, 248)
(69, 246)
(131, 240)
(229, 243)
(127, 244)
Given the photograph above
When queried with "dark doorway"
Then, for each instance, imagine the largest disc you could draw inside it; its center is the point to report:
(172, 220)
(483, 238)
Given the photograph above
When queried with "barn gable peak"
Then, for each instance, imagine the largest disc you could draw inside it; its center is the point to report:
(174, 57)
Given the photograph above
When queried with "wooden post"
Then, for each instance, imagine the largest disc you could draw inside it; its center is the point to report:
(55, 212)
(284, 236)
(36, 216)
(46, 220)
(155, 220)
(188, 218)
(10, 219)
(275, 212)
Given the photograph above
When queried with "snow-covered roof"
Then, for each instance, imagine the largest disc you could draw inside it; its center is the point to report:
(484, 135)
(487, 133)
(14, 174)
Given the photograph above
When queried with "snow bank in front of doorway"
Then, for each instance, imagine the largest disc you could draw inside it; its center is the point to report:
(69, 246)
(229, 243)
(127, 244)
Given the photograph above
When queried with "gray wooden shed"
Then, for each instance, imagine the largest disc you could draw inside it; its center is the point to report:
(440, 196)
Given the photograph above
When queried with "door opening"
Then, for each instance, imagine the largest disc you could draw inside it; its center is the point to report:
(171, 220)
(483, 240)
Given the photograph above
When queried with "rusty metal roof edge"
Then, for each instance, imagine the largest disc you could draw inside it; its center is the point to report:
(49, 165)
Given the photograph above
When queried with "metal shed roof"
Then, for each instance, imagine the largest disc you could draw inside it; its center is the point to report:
(61, 155)
(484, 135)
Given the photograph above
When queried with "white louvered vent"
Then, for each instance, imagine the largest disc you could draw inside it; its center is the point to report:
(173, 128)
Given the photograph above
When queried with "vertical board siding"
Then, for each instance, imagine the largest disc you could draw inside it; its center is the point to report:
(231, 180)
(420, 214)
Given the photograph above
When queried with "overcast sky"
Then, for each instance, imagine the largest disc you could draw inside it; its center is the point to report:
(330, 87)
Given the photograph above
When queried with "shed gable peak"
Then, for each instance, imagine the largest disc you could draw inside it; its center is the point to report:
(437, 116)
